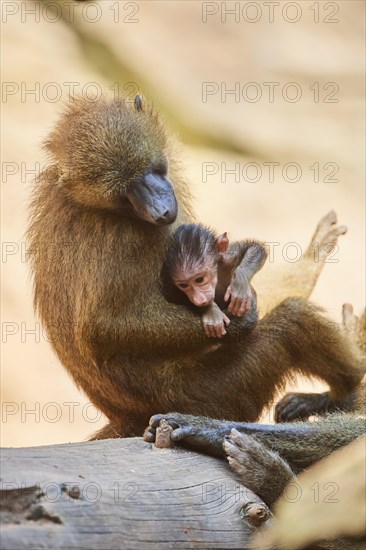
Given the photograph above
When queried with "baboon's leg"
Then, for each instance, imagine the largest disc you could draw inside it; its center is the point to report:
(300, 444)
(339, 513)
(297, 406)
(355, 326)
(261, 470)
(298, 279)
(316, 347)
(264, 456)
(107, 432)
(125, 427)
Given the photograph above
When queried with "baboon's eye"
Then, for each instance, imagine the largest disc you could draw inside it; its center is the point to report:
(183, 285)
(161, 169)
(199, 280)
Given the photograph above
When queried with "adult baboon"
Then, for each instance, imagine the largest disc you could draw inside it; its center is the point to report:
(102, 217)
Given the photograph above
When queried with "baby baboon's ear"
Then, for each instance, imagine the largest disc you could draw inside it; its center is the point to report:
(138, 103)
(222, 243)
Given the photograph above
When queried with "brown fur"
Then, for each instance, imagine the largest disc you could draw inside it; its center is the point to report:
(330, 453)
(96, 288)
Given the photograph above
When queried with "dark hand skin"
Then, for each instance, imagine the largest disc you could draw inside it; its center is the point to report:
(299, 406)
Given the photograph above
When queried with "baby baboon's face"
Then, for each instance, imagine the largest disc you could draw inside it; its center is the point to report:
(198, 286)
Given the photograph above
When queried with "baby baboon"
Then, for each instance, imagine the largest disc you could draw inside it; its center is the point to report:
(102, 217)
(208, 273)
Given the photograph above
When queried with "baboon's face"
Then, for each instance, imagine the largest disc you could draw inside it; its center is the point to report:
(198, 285)
(113, 156)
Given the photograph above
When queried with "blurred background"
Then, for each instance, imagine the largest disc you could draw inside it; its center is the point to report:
(267, 100)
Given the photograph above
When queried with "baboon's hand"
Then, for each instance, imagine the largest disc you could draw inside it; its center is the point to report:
(193, 432)
(240, 295)
(214, 321)
(182, 424)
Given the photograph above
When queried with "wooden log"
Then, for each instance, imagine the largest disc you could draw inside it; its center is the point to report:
(119, 493)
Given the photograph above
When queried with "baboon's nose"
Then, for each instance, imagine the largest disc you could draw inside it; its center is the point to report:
(166, 218)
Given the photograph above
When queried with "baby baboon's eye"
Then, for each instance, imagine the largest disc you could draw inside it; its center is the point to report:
(199, 280)
(183, 285)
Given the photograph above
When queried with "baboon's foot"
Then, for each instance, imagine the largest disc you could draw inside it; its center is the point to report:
(355, 326)
(299, 406)
(261, 470)
(241, 452)
(325, 237)
(349, 319)
(193, 432)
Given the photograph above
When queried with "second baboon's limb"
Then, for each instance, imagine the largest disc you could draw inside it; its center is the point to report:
(267, 457)
(298, 279)
(299, 443)
(355, 326)
(329, 502)
(298, 406)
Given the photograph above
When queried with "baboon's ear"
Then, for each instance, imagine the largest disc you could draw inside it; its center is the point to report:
(222, 243)
(63, 178)
(138, 103)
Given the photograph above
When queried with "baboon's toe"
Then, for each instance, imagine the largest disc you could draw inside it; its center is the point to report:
(328, 220)
(237, 457)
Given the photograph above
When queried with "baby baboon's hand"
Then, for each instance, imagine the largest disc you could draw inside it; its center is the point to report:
(240, 296)
(214, 321)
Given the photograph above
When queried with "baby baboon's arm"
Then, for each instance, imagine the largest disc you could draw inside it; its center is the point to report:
(251, 256)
